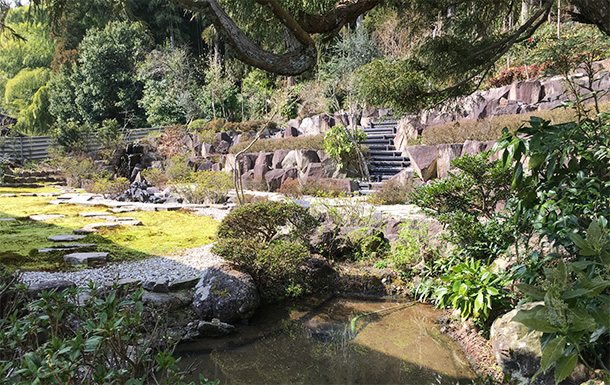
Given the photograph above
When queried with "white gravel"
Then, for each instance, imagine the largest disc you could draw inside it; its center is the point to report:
(181, 265)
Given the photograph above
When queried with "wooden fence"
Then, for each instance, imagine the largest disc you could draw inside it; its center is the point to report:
(37, 147)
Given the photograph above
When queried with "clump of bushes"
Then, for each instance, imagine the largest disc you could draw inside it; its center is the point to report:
(339, 146)
(155, 177)
(108, 186)
(78, 169)
(268, 240)
(391, 193)
(204, 186)
(109, 339)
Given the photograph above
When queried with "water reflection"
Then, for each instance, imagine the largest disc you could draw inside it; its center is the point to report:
(316, 342)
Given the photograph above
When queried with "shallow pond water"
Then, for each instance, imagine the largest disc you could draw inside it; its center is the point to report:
(339, 340)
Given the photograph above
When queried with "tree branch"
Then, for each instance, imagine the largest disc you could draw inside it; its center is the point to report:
(343, 13)
(295, 62)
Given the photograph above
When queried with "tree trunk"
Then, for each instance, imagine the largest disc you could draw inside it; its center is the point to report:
(592, 12)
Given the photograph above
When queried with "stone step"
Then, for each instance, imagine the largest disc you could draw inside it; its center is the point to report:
(66, 238)
(379, 137)
(385, 171)
(378, 142)
(376, 148)
(386, 153)
(391, 158)
(46, 217)
(86, 258)
(380, 131)
(386, 163)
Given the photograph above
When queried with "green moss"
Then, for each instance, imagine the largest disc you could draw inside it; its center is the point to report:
(162, 233)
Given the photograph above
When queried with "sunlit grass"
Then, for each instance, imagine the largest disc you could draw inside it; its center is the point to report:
(162, 233)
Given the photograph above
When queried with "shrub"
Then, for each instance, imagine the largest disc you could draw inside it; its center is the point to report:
(410, 247)
(177, 168)
(291, 188)
(198, 125)
(108, 339)
(109, 135)
(391, 193)
(513, 74)
(315, 142)
(215, 125)
(204, 186)
(77, 168)
(474, 290)
(324, 189)
(109, 187)
(339, 146)
(264, 221)
(460, 200)
(267, 239)
(172, 141)
(274, 266)
(155, 177)
(71, 137)
(4, 167)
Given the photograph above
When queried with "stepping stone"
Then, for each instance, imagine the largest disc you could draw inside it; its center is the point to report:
(66, 238)
(68, 196)
(94, 214)
(123, 210)
(7, 219)
(58, 284)
(158, 286)
(120, 219)
(51, 249)
(79, 245)
(48, 195)
(46, 217)
(85, 231)
(183, 284)
(28, 194)
(8, 195)
(86, 258)
(167, 208)
(59, 202)
(93, 226)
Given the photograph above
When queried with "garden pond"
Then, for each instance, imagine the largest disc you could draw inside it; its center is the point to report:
(335, 340)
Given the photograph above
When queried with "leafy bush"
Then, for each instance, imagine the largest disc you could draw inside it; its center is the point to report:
(155, 177)
(291, 188)
(105, 340)
(215, 125)
(71, 137)
(391, 193)
(110, 187)
(77, 168)
(177, 168)
(339, 145)
(410, 247)
(172, 141)
(4, 167)
(460, 200)
(109, 135)
(323, 189)
(267, 239)
(274, 265)
(315, 142)
(473, 289)
(204, 186)
(513, 74)
(198, 125)
(264, 222)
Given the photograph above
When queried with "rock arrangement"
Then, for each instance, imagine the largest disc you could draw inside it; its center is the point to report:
(141, 191)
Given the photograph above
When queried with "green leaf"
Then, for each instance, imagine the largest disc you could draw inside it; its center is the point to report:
(535, 319)
(532, 291)
(552, 352)
(479, 301)
(565, 367)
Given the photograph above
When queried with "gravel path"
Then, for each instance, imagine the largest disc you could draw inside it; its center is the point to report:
(184, 264)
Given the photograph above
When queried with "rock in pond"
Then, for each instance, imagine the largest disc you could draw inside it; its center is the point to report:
(225, 294)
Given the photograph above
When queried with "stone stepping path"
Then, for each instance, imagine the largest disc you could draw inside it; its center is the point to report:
(68, 247)
(46, 217)
(66, 238)
(94, 214)
(86, 258)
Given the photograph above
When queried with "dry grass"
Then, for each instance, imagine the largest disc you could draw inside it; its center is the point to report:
(315, 142)
(485, 130)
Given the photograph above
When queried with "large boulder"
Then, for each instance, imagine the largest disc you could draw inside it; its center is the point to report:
(423, 160)
(314, 171)
(290, 160)
(530, 92)
(225, 294)
(278, 157)
(276, 177)
(407, 131)
(305, 157)
(316, 125)
(404, 178)
(473, 147)
(445, 154)
(518, 350)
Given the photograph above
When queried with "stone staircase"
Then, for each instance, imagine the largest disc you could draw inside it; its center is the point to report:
(28, 177)
(385, 161)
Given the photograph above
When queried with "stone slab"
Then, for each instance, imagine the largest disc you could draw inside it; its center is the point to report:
(51, 249)
(167, 208)
(103, 225)
(8, 195)
(59, 202)
(46, 217)
(66, 238)
(85, 231)
(123, 210)
(86, 258)
(79, 245)
(121, 219)
(48, 195)
(28, 194)
(94, 214)
(7, 219)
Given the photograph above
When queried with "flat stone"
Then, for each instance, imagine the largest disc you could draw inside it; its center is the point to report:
(8, 195)
(46, 217)
(79, 245)
(86, 258)
(158, 286)
(183, 284)
(48, 195)
(7, 219)
(85, 231)
(66, 238)
(57, 284)
(59, 202)
(51, 249)
(121, 219)
(28, 194)
(102, 225)
(167, 301)
(123, 210)
(94, 214)
(68, 196)
(167, 208)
